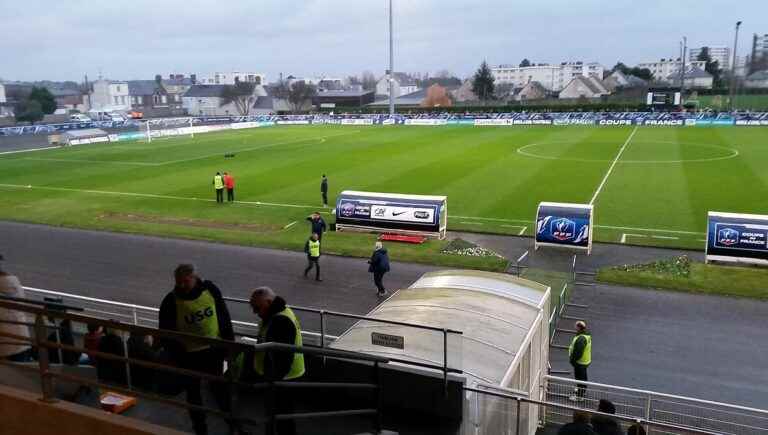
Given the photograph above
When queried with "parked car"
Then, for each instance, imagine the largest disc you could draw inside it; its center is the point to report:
(135, 114)
(79, 117)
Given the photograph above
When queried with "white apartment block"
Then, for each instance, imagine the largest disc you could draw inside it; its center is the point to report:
(110, 96)
(229, 78)
(551, 77)
(759, 46)
(663, 68)
(719, 53)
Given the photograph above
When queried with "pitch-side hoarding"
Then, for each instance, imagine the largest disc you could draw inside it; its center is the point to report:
(392, 213)
(564, 225)
(737, 238)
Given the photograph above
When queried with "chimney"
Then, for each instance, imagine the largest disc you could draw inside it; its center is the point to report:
(194, 78)
(158, 78)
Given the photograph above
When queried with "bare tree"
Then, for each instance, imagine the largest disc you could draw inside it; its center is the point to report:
(298, 94)
(369, 81)
(241, 95)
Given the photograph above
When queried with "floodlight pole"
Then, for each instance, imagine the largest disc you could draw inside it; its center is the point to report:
(391, 67)
(683, 50)
(733, 67)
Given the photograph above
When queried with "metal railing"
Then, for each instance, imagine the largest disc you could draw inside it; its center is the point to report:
(324, 314)
(505, 412)
(41, 342)
(686, 412)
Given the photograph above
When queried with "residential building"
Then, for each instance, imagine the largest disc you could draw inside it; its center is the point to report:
(584, 87)
(530, 92)
(719, 53)
(2, 93)
(695, 78)
(618, 80)
(742, 65)
(551, 77)
(327, 83)
(68, 99)
(663, 68)
(151, 98)
(757, 79)
(5, 108)
(403, 85)
(343, 98)
(229, 78)
(110, 96)
(176, 85)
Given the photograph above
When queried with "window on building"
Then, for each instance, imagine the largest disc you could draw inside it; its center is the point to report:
(164, 99)
(122, 100)
(156, 99)
(118, 88)
(117, 100)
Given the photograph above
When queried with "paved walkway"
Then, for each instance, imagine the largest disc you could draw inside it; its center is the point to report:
(704, 346)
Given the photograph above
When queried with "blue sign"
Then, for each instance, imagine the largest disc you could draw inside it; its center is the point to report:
(386, 212)
(564, 225)
(737, 237)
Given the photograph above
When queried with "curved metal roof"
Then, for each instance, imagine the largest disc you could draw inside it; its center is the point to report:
(494, 311)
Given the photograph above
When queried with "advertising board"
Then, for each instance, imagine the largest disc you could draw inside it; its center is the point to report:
(737, 238)
(564, 225)
(392, 213)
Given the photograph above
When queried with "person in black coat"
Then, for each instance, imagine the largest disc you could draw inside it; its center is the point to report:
(324, 190)
(605, 425)
(317, 224)
(579, 426)
(379, 265)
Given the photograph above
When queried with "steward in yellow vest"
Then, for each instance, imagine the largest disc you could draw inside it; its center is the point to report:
(580, 356)
(196, 307)
(312, 248)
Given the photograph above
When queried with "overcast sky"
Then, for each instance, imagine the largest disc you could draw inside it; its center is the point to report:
(63, 40)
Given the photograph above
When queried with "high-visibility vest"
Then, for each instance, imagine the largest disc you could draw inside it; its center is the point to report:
(586, 357)
(197, 317)
(314, 248)
(297, 366)
(218, 182)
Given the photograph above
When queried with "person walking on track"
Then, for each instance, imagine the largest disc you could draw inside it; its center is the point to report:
(218, 185)
(580, 354)
(312, 248)
(229, 183)
(379, 265)
(318, 224)
(324, 190)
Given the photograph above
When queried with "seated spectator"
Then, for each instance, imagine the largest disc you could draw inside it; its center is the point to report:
(604, 425)
(64, 336)
(636, 429)
(10, 349)
(140, 347)
(109, 370)
(91, 341)
(579, 426)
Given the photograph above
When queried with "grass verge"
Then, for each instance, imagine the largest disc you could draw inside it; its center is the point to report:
(681, 274)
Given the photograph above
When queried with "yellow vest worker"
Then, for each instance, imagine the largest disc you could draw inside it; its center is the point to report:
(312, 248)
(296, 367)
(580, 356)
(218, 185)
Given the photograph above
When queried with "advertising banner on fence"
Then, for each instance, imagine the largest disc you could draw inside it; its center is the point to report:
(752, 122)
(737, 238)
(357, 121)
(574, 122)
(426, 122)
(392, 213)
(664, 122)
(502, 122)
(614, 122)
(293, 122)
(564, 225)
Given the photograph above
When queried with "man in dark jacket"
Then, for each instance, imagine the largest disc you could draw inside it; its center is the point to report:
(605, 425)
(278, 325)
(579, 426)
(580, 355)
(196, 306)
(324, 190)
(379, 265)
(317, 224)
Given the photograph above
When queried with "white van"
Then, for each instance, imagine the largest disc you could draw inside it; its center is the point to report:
(79, 117)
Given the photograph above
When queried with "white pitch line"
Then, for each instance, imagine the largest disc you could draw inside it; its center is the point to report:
(289, 225)
(665, 237)
(111, 162)
(27, 151)
(472, 223)
(487, 219)
(650, 230)
(624, 237)
(613, 164)
(522, 257)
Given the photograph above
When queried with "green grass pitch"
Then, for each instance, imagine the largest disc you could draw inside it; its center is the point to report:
(657, 192)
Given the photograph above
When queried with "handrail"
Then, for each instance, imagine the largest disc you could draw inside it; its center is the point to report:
(44, 344)
(90, 299)
(642, 421)
(43, 303)
(664, 395)
(355, 316)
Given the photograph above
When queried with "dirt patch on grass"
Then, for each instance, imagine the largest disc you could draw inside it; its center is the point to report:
(188, 222)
